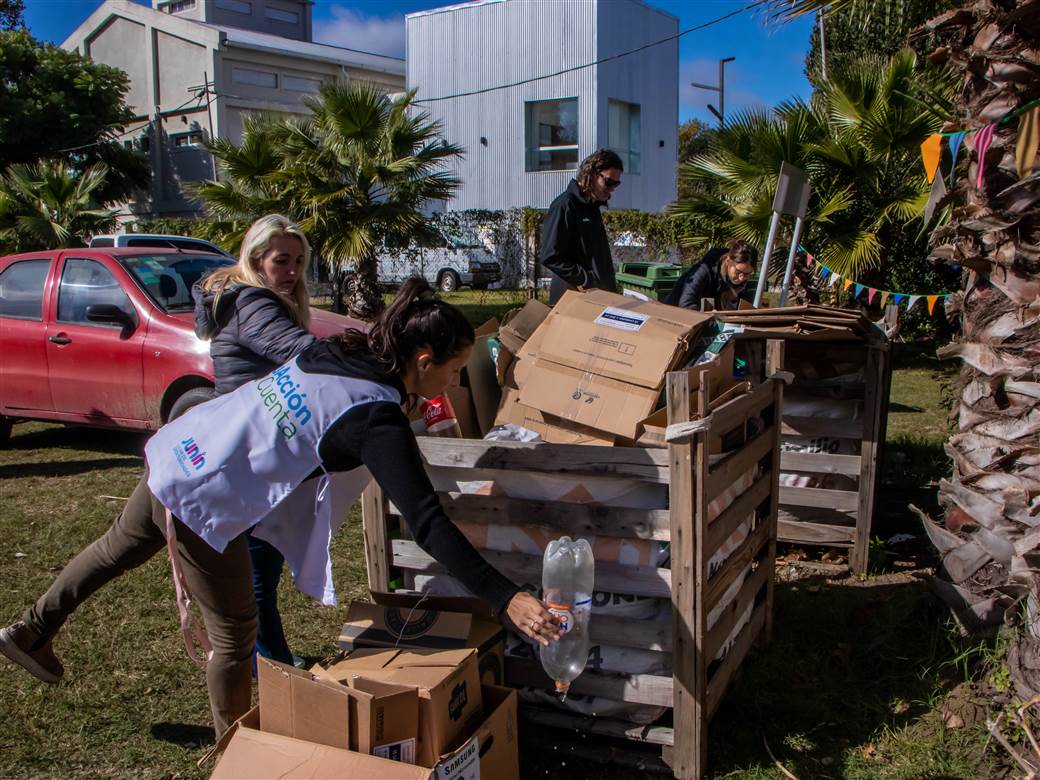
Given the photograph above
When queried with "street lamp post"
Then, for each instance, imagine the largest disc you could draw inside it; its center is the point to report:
(720, 114)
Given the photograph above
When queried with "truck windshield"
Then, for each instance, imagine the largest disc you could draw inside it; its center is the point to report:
(168, 278)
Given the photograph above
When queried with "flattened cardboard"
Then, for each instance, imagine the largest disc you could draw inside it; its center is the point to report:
(357, 714)
(251, 754)
(516, 330)
(482, 376)
(617, 337)
(448, 684)
(462, 402)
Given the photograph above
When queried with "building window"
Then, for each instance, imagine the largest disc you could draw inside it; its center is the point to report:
(289, 17)
(178, 6)
(299, 84)
(552, 135)
(191, 138)
(237, 6)
(623, 133)
(254, 78)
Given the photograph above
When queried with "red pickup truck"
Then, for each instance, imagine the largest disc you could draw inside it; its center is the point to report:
(106, 337)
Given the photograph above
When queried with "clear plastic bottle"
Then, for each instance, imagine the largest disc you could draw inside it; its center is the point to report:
(568, 574)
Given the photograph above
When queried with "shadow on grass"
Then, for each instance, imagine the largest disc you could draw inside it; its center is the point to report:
(71, 437)
(184, 734)
(65, 468)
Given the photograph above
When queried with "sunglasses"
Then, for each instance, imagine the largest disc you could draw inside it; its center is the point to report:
(612, 183)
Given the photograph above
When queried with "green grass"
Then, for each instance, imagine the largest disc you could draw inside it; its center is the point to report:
(850, 686)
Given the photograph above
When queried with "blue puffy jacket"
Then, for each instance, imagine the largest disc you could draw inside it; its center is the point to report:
(251, 332)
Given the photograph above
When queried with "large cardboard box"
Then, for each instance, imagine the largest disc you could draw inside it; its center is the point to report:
(448, 682)
(552, 429)
(397, 621)
(600, 359)
(359, 714)
(491, 751)
(519, 327)
(252, 754)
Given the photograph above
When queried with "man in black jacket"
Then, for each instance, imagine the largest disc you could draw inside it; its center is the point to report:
(574, 243)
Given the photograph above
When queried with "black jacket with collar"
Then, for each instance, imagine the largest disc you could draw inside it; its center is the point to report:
(574, 245)
(703, 280)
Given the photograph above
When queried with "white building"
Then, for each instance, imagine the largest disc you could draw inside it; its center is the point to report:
(523, 142)
(197, 67)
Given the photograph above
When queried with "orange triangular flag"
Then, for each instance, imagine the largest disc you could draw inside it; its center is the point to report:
(1028, 138)
(848, 284)
(931, 302)
(931, 150)
(884, 297)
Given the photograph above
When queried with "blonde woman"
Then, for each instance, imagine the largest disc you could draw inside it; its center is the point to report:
(255, 314)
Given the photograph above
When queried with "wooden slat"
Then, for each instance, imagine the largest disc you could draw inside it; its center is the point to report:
(873, 433)
(722, 527)
(744, 597)
(527, 570)
(839, 500)
(820, 463)
(729, 415)
(737, 562)
(633, 688)
(608, 727)
(376, 533)
(720, 680)
(645, 464)
(625, 632)
(776, 354)
(566, 517)
(815, 533)
(725, 472)
(821, 426)
(688, 683)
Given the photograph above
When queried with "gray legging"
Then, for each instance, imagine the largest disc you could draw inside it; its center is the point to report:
(220, 583)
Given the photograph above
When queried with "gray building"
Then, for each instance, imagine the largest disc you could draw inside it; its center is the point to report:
(197, 67)
(524, 142)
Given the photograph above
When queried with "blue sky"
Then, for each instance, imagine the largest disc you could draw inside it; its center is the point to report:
(768, 67)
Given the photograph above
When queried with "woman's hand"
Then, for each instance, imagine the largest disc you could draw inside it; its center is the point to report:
(532, 619)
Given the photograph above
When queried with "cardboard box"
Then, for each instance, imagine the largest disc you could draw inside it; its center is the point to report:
(462, 402)
(395, 622)
(482, 377)
(518, 327)
(368, 716)
(251, 754)
(600, 359)
(552, 429)
(448, 682)
(493, 745)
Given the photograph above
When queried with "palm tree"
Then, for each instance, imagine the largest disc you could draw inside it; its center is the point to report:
(355, 175)
(858, 140)
(49, 205)
(990, 543)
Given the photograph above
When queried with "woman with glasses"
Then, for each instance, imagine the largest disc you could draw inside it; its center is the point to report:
(721, 276)
(574, 245)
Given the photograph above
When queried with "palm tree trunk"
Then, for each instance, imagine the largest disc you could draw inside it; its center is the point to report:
(990, 541)
(365, 301)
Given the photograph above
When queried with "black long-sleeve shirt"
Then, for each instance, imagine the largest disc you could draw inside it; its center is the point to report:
(378, 435)
(574, 245)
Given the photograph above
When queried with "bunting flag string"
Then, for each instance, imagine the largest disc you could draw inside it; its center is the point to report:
(830, 278)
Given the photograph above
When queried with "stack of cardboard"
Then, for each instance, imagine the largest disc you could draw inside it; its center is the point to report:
(408, 714)
(804, 322)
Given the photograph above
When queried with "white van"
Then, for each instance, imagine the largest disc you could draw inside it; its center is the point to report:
(460, 259)
(186, 243)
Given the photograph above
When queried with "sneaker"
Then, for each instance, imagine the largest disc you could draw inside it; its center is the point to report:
(23, 646)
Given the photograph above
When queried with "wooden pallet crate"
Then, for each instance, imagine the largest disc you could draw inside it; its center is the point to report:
(835, 517)
(699, 516)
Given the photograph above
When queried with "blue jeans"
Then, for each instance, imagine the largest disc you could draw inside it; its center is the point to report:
(267, 571)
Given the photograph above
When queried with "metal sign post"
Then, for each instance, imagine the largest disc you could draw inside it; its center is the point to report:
(791, 199)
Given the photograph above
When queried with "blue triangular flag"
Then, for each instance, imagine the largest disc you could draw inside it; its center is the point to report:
(898, 298)
(824, 273)
(955, 145)
(859, 289)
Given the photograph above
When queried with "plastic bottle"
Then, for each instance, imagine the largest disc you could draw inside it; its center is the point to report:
(440, 417)
(568, 574)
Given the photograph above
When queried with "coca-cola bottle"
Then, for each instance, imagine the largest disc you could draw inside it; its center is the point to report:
(440, 417)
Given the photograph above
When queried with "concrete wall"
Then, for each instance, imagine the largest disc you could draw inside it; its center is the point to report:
(123, 44)
(181, 64)
(266, 16)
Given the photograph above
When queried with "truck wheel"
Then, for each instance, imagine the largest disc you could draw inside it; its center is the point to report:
(6, 423)
(448, 281)
(190, 398)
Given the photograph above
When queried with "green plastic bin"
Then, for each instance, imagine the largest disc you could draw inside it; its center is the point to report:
(654, 280)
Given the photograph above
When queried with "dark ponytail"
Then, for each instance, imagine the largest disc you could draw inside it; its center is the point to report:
(415, 319)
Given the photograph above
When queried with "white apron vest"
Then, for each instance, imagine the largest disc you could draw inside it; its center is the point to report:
(241, 460)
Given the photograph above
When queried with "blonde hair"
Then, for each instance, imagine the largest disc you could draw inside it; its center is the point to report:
(255, 244)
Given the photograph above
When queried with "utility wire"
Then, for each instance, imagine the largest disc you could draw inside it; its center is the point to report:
(612, 57)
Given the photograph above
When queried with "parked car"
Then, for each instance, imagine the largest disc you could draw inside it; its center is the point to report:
(106, 337)
(459, 260)
(186, 243)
